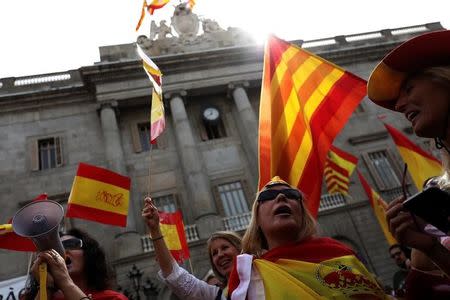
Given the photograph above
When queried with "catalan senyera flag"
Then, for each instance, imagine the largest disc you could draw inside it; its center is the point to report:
(156, 4)
(141, 18)
(157, 119)
(305, 102)
(172, 228)
(99, 195)
(339, 166)
(379, 208)
(11, 241)
(421, 164)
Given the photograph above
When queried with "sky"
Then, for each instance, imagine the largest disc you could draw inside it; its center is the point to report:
(48, 36)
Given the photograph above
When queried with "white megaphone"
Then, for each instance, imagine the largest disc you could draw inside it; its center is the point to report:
(40, 221)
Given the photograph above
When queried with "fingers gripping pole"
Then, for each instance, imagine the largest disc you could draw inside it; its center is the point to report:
(43, 281)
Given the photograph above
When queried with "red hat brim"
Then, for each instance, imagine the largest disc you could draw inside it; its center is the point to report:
(426, 50)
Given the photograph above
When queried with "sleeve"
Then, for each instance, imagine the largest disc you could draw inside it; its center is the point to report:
(187, 286)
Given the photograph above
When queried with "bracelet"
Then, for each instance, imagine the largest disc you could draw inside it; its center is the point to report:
(86, 297)
(155, 239)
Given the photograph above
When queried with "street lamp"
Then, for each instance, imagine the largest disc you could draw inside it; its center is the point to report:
(150, 290)
(135, 276)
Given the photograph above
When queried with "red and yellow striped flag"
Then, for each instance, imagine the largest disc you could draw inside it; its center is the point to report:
(156, 4)
(305, 102)
(99, 195)
(172, 228)
(379, 208)
(339, 167)
(421, 165)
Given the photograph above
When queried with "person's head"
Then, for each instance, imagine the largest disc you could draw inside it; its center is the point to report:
(398, 255)
(85, 259)
(414, 79)
(223, 247)
(279, 216)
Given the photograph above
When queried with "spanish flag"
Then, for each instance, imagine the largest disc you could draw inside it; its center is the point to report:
(172, 228)
(421, 165)
(317, 268)
(379, 208)
(305, 102)
(339, 167)
(99, 195)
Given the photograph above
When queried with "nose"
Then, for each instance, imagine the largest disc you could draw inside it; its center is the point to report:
(281, 197)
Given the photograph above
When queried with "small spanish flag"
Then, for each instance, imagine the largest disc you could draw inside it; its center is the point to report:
(172, 228)
(421, 164)
(379, 208)
(99, 195)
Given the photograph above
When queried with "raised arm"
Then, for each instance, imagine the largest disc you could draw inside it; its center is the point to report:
(162, 253)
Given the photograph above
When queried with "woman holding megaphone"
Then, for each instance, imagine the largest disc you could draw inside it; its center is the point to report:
(81, 274)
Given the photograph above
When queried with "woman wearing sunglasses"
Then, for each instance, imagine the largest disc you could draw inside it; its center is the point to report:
(222, 247)
(414, 79)
(285, 260)
(82, 273)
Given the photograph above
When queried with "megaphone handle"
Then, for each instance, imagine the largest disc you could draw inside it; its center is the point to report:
(43, 281)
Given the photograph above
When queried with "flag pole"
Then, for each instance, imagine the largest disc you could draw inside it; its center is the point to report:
(190, 265)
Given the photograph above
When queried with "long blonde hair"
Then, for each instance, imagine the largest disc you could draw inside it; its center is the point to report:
(229, 236)
(254, 242)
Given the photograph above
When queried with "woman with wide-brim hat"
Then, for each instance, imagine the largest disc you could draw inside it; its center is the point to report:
(414, 79)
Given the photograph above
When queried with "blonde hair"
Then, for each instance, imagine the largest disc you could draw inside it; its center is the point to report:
(254, 242)
(230, 236)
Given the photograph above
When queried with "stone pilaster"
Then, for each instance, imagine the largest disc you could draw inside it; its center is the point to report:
(249, 131)
(194, 170)
(114, 151)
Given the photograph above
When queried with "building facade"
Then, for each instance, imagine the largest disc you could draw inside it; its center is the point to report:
(204, 166)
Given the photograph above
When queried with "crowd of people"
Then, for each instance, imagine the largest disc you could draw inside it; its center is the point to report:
(281, 255)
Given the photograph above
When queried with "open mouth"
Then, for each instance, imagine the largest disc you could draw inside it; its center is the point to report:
(68, 261)
(225, 263)
(283, 210)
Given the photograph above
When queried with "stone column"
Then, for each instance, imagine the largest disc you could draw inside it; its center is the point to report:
(114, 151)
(194, 170)
(249, 121)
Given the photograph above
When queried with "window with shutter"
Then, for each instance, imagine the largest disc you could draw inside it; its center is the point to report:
(46, 153)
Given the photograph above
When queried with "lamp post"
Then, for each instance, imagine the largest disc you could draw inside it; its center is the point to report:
(150, 289)
(135, 276)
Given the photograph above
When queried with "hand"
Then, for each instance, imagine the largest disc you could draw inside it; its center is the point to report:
(151, 217)
(404, 228)
(57, 275)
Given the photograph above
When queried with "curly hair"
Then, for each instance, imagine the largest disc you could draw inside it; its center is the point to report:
(96, 270)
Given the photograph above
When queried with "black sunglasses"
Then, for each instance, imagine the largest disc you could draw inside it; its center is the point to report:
(72, 244)
(272, 194)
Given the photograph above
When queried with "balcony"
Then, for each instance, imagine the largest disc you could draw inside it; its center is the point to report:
(191, 236)
(330, 201)
(238, 222)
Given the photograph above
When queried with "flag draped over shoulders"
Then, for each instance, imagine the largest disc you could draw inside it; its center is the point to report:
(317, 268)
(305, 102)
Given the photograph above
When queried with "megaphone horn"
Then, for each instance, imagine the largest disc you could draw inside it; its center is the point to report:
(40, 221)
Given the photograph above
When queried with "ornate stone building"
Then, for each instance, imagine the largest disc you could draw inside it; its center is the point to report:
(207, 167)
